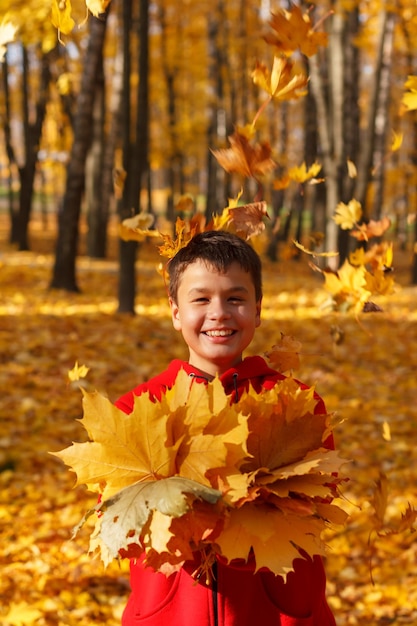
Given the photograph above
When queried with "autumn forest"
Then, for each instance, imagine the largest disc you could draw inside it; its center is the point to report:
(126, 128)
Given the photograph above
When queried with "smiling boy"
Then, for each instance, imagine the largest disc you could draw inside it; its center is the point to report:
(215, 295)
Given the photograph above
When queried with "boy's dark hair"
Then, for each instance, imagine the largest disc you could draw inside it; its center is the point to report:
(219, 249)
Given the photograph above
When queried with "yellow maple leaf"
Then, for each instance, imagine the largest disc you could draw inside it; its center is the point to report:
(78, 372)
(281, 83)
(116, 456)
(347, 286)
(301, 174)
(271, 535)
(348, 215)
(61, 16)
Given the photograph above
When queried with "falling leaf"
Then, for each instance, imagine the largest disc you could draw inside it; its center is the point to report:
(372, 229)
(348, 215)
(281, 83)
(301, 174)
(386, 431)
(97, 7)
(314, 252)
(185, 204)
(293, 30)
(397, 140)
(410, 98)
(352, 171)
(285, 356)
(249, 161)
(347, 286)
(248, 220)
(136, 228)
(78, 372)
(61, 16)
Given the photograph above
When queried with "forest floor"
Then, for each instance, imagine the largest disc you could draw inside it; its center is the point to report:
(367, 379)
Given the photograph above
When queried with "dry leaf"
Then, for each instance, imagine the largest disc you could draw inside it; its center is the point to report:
(249, 161)
(293, 30)
(284, 356)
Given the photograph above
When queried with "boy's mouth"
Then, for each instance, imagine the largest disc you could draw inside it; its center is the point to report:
(219, 333)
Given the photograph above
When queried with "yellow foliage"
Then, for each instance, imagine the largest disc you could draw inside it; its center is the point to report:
(7, 34)
(157, 463)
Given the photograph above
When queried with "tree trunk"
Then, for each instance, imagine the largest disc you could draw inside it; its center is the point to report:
(382, 118)
(97, 212)
(13, 212)
(368, 142)
(64, 272)
(32, 136)
(136, 160)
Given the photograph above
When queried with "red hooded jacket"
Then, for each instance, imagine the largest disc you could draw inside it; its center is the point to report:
(238, 596)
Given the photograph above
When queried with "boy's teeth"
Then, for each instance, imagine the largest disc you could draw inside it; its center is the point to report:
(219, 333)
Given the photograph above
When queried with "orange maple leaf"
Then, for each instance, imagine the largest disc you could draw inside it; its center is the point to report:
(372, 229)
(285, 355)
(293, 30)
(249, 161)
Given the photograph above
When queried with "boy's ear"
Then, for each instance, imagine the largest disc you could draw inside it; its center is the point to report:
(258, 312)
(175, 314)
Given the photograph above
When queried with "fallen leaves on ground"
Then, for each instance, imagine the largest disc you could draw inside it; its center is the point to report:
(367, 377)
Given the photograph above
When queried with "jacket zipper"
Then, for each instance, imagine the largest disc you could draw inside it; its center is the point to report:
(214, 593)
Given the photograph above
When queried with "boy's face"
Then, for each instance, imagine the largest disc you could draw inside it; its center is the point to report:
(217, 315)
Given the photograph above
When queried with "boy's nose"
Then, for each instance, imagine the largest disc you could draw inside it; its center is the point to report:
(219, 311)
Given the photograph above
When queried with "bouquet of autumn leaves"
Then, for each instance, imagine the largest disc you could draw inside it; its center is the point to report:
(195, 473)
